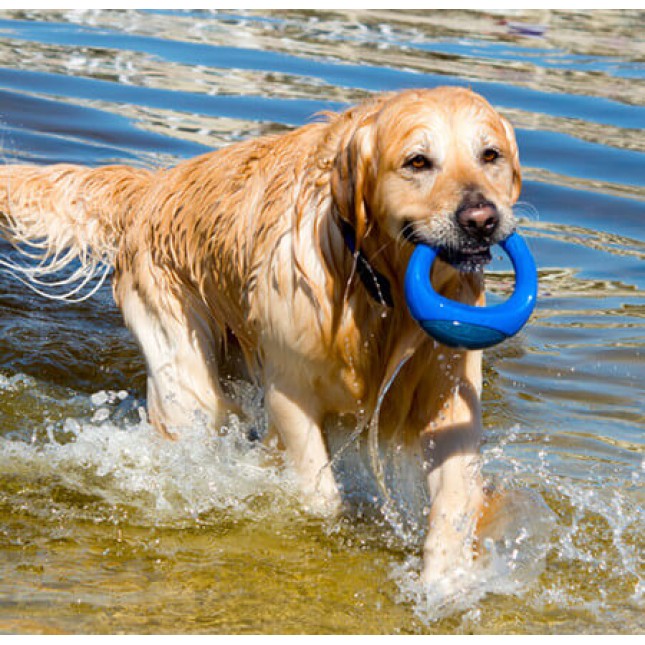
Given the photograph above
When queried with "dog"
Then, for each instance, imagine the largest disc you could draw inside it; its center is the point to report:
(292, 249)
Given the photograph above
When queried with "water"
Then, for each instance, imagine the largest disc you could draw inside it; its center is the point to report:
(105, 527)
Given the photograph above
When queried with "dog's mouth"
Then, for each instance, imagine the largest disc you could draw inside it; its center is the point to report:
(467, 258)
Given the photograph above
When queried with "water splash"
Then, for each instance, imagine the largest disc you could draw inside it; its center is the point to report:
(115, 456)
(111, 464)
(512, 557)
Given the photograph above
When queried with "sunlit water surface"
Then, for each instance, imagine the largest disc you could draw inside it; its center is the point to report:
(106, 527)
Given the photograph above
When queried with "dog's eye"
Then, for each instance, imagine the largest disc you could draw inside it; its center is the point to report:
(419, 162)
(490, 155)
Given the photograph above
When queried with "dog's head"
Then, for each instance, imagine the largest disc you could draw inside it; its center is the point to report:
(434, 166)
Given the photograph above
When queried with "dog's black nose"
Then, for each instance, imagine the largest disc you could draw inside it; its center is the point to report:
(478, 217)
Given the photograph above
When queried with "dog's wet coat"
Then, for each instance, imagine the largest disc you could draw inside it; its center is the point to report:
(244, 246)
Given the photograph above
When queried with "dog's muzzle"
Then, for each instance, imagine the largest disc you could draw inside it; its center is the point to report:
(478, 220)
(466, 239)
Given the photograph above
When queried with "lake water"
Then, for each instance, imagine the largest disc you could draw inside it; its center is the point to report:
(105, 527)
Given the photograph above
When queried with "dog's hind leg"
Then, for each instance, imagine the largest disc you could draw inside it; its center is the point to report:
(299, 424)
(180, 352)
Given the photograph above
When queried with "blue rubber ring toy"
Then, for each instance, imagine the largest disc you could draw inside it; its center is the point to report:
(458, 325)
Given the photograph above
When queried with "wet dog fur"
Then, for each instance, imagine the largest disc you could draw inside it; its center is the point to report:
(242, 248)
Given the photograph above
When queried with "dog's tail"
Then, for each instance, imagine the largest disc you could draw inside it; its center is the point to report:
(62, 215)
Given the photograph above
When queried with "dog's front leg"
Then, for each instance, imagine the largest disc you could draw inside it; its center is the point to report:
(295, 416)
(451, 451)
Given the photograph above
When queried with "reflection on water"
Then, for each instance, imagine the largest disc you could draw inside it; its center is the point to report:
(104, 527)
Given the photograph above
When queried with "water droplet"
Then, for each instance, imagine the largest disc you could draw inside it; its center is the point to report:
(99, 398)
(102, 414)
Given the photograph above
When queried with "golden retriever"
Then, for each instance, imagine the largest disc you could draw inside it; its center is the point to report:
(293, 248)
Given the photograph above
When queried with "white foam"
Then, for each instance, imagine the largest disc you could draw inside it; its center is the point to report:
(17, 381)
(128, 463)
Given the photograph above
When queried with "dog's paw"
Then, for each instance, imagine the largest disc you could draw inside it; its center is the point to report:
(325, 500)
(322, 507)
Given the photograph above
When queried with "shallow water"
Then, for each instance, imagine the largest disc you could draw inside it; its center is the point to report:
(104, 527)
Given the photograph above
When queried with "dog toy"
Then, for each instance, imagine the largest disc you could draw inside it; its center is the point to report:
(458, 325)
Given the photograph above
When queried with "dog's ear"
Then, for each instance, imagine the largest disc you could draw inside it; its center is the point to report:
(515, 159)
(352, 177)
